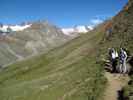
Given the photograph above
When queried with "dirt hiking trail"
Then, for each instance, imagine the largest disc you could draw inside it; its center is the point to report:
(115, 83)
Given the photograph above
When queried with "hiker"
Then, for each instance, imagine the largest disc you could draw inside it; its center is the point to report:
(108, 29)
(113, 58)
(122, 60)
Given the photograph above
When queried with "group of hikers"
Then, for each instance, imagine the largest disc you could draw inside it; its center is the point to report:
(118, 60)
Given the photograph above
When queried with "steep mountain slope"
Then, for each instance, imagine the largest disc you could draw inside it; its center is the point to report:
(69, 72)
(40, 37)
(121, 26)
(121, 36)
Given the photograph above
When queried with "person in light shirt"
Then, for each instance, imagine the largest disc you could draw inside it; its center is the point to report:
(113, 58)
(122, 60)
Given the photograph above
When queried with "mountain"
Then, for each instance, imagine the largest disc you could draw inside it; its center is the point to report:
(121, 29)
(75, 31)
(67, 72)
(122, 36)
(74, 70)
(28, 40)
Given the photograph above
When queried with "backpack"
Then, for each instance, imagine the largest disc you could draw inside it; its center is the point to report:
(123, 55)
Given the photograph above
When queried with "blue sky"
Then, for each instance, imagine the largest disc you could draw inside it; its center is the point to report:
(64, 13)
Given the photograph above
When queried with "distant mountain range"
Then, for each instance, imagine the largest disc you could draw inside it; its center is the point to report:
(73, 31)
(18, 42)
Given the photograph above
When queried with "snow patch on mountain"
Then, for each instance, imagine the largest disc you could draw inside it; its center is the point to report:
(81, 29)
(19, 28)
(4, 28)
(76, 30)
(68, 31)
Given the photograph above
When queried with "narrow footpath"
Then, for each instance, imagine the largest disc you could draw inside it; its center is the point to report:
(115, 84)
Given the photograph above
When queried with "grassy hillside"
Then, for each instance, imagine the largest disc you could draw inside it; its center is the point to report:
(122, 24)
(69, 72)
(122, 36)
